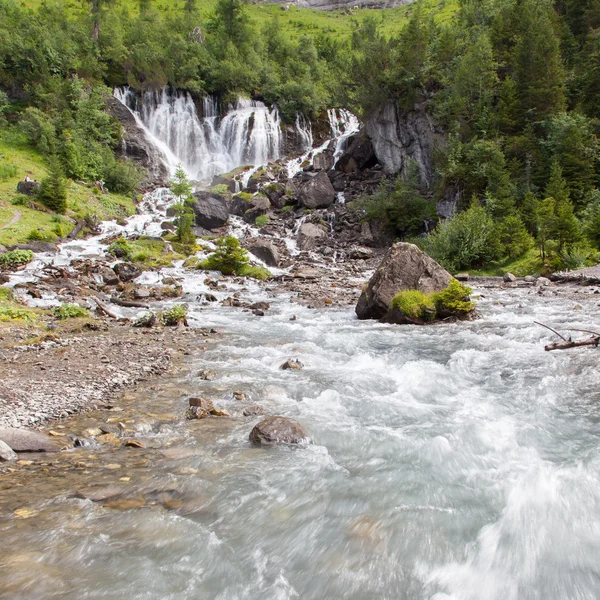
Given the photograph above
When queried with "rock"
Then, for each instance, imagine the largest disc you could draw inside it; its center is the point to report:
(100, 494)
(125, 503)
(207, 375)
(275, 192)
(277, 430)
(220, 412)
(292, 364)
(462, 277)
(240, 396)
(310, 235)
(109, 277)
(141, 293)
(542, 281)
(168, 226)
(509, 278)
(260, 306)
(265, 251)
(226, 181)
(317, 192)
(404, 267)
(29, 188)
(360, 155)
(6, 452)
(211, 212)
(50, 247)
(254, 410)
(199, 408)
(23, 440)
(256, 207)
(526, 279)
(133, 444)
(127, 271)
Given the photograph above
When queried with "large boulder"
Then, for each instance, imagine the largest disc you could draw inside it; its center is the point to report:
(359, 156)
(211, 211)
(28, 187)
(127, 271)
(310, 236)
(404, 267)
(23, 440)
(256, 207)
(317, 192)
(265, 251)
(277, 430)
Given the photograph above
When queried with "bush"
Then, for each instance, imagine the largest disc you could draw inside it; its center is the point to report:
(5, 293)
(260, 273)
(20, 200)
(121, 249)
(454, 300)
(415, 304)
(262, 220)
(11, 313)
(229, 257)
(175, 315)
(16, 258)
(122, 176)
(38, 235)
(70, 311)
(221, 189)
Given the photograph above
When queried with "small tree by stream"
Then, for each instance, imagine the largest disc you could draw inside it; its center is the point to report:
(181, 188)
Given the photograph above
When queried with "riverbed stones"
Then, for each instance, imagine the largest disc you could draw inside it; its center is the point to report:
(126, 271)
(404, 267)
(23, 440)
(211, 212)
(254, 410)
(317, 192)
(292, 364)
(200, 408)
(509, 278)
(7, 453)
(207, 375)
(310, 236)
(277, 430)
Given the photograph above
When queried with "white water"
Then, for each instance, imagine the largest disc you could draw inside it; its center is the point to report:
(249, 133)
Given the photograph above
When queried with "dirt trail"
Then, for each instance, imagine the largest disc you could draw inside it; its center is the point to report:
(15, 219)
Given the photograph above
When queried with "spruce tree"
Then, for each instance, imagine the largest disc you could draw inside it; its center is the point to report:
(53, 192)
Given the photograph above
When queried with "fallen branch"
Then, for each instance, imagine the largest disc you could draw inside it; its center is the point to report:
(128, 303)
(105, 310)
(593, 341)
(552, 330)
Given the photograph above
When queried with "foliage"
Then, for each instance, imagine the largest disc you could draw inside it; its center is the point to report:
(70, 311)
(14, 313)
(415, 304)
(16, 258)
(7, 170)
(455, 300)
(262, 220)
(5, 293)
(121, 248)
(255, 272)
(174, 316)
(229, 257)
(53, 192)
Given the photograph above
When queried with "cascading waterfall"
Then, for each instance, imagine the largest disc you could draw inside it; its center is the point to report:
(250, 133)
(343, 124)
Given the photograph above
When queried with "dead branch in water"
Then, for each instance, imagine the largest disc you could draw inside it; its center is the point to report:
(103, 309)
(569, 343)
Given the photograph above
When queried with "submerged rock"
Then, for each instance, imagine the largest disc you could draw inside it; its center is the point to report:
(291, 364)
(404, 267)
(277, 430)
(23, 440)
(199, 408)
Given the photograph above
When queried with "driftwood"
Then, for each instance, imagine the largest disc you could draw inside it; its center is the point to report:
(569, 343)
(104, 310)
(128, 303)
(76, 230)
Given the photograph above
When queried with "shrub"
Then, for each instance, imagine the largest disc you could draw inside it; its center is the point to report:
(262, 220)
(415, 304)
(121, 249)
(229, 257)
(5, 293)
(20, 200)
(175, 315)
(38, 235)
(287, 208)
(11, 313)
(16, 258)
(122, 176)
(245, 196)
(260, 273)
(221, 189)
(70, 311)
(454, 300)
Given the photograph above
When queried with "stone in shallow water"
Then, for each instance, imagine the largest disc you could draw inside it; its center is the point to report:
(23, 440)
(278, 430)
(292, 364)
(6, 453)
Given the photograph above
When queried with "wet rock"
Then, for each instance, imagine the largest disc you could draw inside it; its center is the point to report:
(36, 247)
(109, 276)
(168, 226)
(240, 396)
(542, 281)
(127, 271)
(509, 278)
(275, 192)
(258, 313)
(220, 412)
(317, 192)
(256, 207)
(23, 440)
(310, 236)
(211, 212)
(277, 430)
(6, 452)
(291, 364)
(108, 428)
(133, 444)
(260, 306)
(207, 375)
(109, 438)
(28, 187)
(404, 267)
(462, 277)
(125, 503)
(254, 410)
(265, 251)
(199, 408)
(100, 493)
(360, 155)
(141, 293)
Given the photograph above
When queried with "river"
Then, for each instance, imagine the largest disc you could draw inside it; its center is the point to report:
(448, 462)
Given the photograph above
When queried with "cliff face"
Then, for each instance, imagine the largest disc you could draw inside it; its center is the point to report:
(341, 4)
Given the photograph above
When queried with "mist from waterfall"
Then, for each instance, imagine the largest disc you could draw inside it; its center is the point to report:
(206, 145)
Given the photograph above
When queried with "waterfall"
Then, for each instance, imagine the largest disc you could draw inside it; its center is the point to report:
(343, 124)
(206, 145)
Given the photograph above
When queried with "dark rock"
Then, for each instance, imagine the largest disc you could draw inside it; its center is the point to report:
(36, 247)
(292, 364)
(260, 306)
(148, 320)
(109, 276)
(462, 276)
(360, 155)
(228, 181)
(29, 188)
(238, 206)
(275, 192)
(317, 192)
(256, 207)
(168, 226)
(23, 440)
(211, 212)
(310, 236)
(404, 267)
(277, 430)
(127, 271)
(265, 251)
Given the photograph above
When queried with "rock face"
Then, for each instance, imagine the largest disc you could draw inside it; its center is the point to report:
(309, 236)
(277, 430)
(317, 192)
(265, 251)
(23, 440)
(360, 155)
(211, 211)
(137, 146)
(404, 267)
(399, 136)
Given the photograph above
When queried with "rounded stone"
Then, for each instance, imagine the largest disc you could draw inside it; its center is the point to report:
(277, 430)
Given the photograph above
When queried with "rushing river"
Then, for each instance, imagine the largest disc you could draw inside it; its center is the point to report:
(450, 462)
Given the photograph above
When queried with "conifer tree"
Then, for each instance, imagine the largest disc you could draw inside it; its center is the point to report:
(53, 192)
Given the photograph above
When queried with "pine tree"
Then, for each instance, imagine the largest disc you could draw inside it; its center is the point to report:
(53, 192)
(565, 227)
(180, 185)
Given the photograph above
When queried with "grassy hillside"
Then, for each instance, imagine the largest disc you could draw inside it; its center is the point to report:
(17, 221)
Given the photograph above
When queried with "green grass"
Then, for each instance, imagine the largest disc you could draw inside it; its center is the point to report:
(529, 263)
(82, 201)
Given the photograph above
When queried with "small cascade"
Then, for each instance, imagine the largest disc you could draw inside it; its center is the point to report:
(343, 124)
(304, 129)
(206, 145)
(331, 221)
